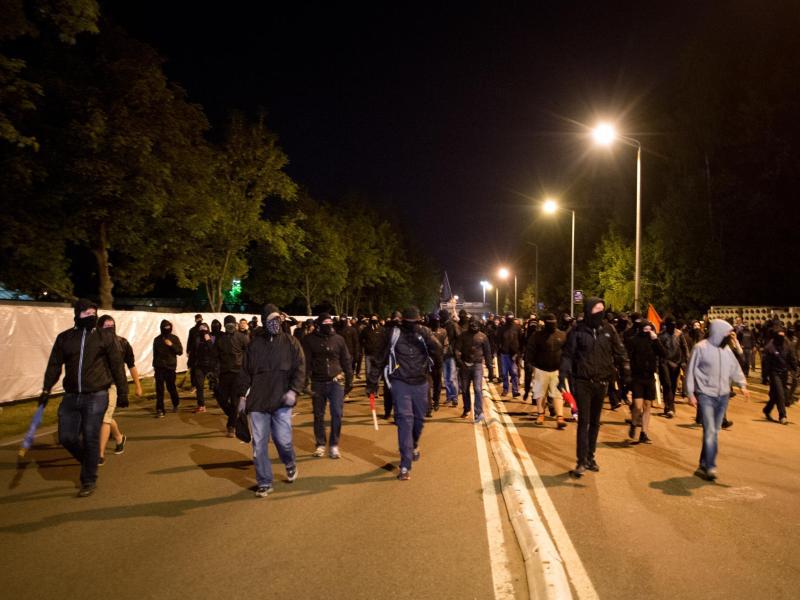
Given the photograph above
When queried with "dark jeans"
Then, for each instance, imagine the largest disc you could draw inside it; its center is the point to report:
(226, 396)
(79, 419)
(589, 398)
(528, 378)
(749, 361)
(669, 383)
(410, 403)
(473, 375)
(322, 394)
(165, 377)
(491, 365)
(199, 375)
(777, 394)
(508, 370)
(436, 388)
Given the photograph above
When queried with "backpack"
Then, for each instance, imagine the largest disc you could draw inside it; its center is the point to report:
(392, 364)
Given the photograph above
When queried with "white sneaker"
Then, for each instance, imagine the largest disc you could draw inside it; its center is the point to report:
(319, 452)
(335, 452)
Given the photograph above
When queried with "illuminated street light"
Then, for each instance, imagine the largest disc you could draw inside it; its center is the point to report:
(503, 273)
(604, 134)
(486, 286)
(550, 206)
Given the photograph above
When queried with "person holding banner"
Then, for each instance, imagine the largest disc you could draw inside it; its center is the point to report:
(645, 351)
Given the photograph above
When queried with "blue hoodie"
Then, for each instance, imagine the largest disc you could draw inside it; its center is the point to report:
(712, 369)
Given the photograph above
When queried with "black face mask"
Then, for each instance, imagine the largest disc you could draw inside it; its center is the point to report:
(474, 327)
(726, 341)
(326, 329)
(670, 328)
(550, 326)
(86, 322)
(166, 330)
(779, 340)
(230, 327)
(594, 320)
(408, 325)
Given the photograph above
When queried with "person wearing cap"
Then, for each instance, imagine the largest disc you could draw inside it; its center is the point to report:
(645, 351)
(272, 374)
(230, 346)
(711, 371)
(410, 351)
(328, 365)
(91, 361)
(589, 358)
(779, 360)
(509, 340)
(166, 350)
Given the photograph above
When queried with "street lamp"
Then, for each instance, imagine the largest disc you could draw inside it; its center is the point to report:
(503, 273)
(536, 283)
(605, 134)
(486, 286)
(550, 206)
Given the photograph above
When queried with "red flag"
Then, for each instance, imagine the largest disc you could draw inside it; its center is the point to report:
(653, 317)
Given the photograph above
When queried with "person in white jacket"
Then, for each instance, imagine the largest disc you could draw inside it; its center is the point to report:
(712, 370)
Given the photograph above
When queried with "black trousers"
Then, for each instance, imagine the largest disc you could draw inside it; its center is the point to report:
(777, 394)
(528, 378)
(435, 387)
(226, 396)
(589, 398)
(165, 377)
(669, 384)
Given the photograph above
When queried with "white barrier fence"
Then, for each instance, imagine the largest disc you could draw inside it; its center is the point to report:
(27, 334)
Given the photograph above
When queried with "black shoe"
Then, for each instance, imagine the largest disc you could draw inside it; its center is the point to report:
(643, 439)
(174, 409)
(429, 414)
(615, 406)
(465, 414)
(767, 416)
(160, 414)
(386, 416)
(121, 446)
(525, 396)
(435, 407)
(701, 473)
(263, 491)
(577, 472)
(404, 475)
(632, 432)
(87, 490)
(727, 424)
(291, 474)
(669, 414)
(415, 454)
(516, 395)
(101, 461)
(593, 466)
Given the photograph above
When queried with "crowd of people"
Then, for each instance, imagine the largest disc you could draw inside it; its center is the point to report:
(256, 372)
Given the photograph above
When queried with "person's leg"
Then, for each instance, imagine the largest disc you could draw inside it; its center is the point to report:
(772, 395)
(674, 374)
(637, 410)
(558, 399)
(281, 423)
(436, 376)
(491, 366)
(514, 369)
(780, 395)
(260, 424)
(318, 402)
(402, 393)
(463, 386)
(595, 409)
(648, 404)
(159, 373)
(666, 389)
(336, 398)
(583, 398)
(93, 407)
(108, 420)
(746, 365)
(388, 401)
(225, 397)
(169, 380)
(418, 407)
(708, 408)
(200, 385)
(528, 380)
(69, 426)
(477, 385)
(451, 377)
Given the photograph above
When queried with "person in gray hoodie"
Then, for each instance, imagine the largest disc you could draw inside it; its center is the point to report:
(712, 370)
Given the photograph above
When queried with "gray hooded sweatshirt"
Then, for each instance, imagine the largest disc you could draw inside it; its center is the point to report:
(712, 369)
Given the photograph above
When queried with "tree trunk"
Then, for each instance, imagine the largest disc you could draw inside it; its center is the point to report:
(308, 297)
(105, 283)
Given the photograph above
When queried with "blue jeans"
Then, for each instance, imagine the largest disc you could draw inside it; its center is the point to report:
(509, 367)
(712, 408)
(450, 379)
(79, 419)
(322, 393)
(473, 375)
(410, 406)
(279, 425)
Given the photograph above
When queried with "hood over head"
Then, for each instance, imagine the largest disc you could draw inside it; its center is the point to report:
(718, 331)
(590, 304)
(444, 316)
(165, 326)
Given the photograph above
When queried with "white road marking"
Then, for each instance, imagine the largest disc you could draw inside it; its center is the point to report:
(501, 575)
(576, 572)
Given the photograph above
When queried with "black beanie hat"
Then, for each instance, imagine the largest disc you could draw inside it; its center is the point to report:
(267, 310)
(411, 313)
(444, 316)
(229, 319)
(323, 317)
(83, 304)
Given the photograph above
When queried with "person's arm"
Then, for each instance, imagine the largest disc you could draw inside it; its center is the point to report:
(116, 365)
(567, 356)
(176, 346)
(375, 373)
(245, 378)
(621, 359)
(689, 376)
(346, 362)
(54, 366)
(487, 352)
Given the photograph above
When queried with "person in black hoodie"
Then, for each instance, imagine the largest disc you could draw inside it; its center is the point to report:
(409, 352)
(590, 355)
(509, 336)
(350, 336)
(449, 363)
(230, 346)
(166, 350)
(645, 351)
(543, 352)
(472, 352)
(205, 364)
(273, 373)
(675, 360)
(92, 361)
(328, 365)
(779, 360)
(190, 344)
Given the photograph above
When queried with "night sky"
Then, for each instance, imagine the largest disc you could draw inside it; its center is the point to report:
(451, 119)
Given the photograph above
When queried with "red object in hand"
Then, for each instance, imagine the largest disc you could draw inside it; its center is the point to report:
(374, 414)
(372, 401)
(570, 399)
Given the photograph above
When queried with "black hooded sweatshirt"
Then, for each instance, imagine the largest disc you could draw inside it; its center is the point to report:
(593, 351)
(164, 356)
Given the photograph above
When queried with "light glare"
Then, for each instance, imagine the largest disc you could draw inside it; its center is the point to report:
(550, 206)
(604, 134)
(503, 273)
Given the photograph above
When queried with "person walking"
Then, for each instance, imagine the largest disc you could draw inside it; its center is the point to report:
(778, 361)
(328, 365)
(91, 361)
(644, 351)
(191, 341)
(673, 362)
(230, 348)
(472, 351)
(272, 374)
(204, 356)
(436, 372)
(509, 336)
(591, 353)
(166, 350)
(711, 371)
(449, 368)
(543, 351)
(409, 352)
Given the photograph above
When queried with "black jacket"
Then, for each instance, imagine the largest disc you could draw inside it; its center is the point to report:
(594, 354)
(473, 348)
(453, 331)
(204, 354)
(677, 352)
(543, 350)
(350, 336)
(92, 361)
(230, 351)
(372, 340)
(272, 366)
(412, 351)
(327, 356)
(166, 357)
(508, 338)
(644, 354)
(127, 352)
(779, 360)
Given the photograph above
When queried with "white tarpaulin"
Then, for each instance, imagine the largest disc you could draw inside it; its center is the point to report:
(27, 334)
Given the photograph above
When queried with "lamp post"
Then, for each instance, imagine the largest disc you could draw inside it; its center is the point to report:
(604, 134)
(550, 206)
(503, 273)
(536, 282)
(486, 286)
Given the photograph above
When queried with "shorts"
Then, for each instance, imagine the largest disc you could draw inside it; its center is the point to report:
(112, 404)
(545, 383)
(644, 389)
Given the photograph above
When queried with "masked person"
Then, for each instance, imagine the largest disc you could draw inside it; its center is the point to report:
(644, 351)
(91, 361)
(543, 351)
(166, 350)
(231, 346)
(409, 351)
(350, 336)
(472, 351)
(436, 371)
(191, 342)
(509, 336)
(531, 327)
(272, 374)
(779, 360)
(110, 428)
(371, 341)
(449, 367)
(676, 356)
(330, 367)
(711, 371)
(205, 364)
(589, 358)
